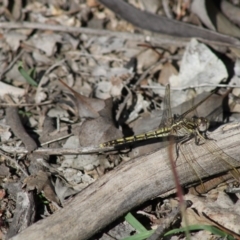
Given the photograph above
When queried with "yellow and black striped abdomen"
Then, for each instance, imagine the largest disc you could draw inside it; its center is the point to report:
(162, 132)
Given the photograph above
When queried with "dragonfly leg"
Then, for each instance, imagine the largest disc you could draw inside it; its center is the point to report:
(203, 136)
(182, 141)
(207, 137)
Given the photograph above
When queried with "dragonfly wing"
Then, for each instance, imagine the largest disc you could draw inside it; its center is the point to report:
(189, 163)
(223, 161)
(220, 161)
(195, 106)
(167, 112)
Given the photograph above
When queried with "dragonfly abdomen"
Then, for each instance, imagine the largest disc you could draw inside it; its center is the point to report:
(162, 132)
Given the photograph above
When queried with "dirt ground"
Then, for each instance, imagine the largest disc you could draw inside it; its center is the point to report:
(79, 78)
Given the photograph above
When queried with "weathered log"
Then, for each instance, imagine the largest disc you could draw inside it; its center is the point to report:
(127, 186)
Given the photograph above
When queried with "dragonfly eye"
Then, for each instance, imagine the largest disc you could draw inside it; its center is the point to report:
(203, 124)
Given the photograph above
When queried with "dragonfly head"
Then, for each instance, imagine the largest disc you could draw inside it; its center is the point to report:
(202, 124)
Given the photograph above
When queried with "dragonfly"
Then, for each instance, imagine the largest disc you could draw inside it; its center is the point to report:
(183, 129)
(175, 126)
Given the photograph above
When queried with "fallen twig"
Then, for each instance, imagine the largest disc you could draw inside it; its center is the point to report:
(159, 39)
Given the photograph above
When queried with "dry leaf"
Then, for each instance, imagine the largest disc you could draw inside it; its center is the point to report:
(63, 190)
(45, 42)
(199, 8)
(8, 89)
(199, 66)
(231, 11)
(213, 18)
(4, 171)
(14, 39)
(167, 71)
(147, 58)
(42, 182)
(87, 107)
(5, 132)
(96, 131)
(222, 212)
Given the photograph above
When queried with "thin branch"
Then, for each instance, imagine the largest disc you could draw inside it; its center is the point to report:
(57, 139)
(11, 64)
(14, 161)
(95, 32)
(154, 39)
(57, 151)
(25, 104)
(192, 86)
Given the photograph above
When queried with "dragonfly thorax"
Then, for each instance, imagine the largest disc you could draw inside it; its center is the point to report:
(201, 123)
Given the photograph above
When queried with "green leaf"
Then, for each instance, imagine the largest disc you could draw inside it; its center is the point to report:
(27, 76)
(24, 113)
(135, 223)
(43, 199)
(140, 236)
(212, 229)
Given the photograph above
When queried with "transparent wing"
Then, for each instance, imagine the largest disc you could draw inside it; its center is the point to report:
(190, 164)
(167, 112)
(223, 161)
(195, 106)
(220, 161)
